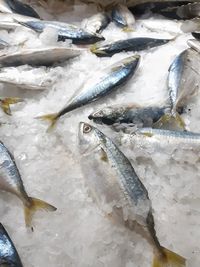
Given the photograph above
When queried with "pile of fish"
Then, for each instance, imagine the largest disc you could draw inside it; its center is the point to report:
(116, 183)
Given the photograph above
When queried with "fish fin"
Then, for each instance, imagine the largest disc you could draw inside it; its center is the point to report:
(127, 29)
(170, 122)
(35, 205)
(94, 50)
(52, 118)
(171, 259)
(104, 155)
(6, 102)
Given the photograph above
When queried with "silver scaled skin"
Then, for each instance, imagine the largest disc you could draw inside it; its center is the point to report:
(8, 253)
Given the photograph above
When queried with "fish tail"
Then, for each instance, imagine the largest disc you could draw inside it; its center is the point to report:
(52, 118)
(127, 29)
(169, 259)
(6, 102)
(33, 206)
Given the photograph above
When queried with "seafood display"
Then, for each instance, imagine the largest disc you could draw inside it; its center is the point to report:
(124, 187)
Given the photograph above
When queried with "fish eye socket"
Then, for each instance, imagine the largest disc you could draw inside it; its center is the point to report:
(87, 129)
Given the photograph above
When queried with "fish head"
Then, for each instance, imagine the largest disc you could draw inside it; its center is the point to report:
(107, 115)
(88, 138)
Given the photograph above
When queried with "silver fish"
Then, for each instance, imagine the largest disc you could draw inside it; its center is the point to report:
(183, 78)
(9, 256)
(128, 116)
(104, 83)
(65, 31)
(119, 192)
(131, 44)
(38, 56)
(123, 17)
(11, 181)
(96, 23)
(15, 6)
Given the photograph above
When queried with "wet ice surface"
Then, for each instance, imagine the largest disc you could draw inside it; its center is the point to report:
(78, 234)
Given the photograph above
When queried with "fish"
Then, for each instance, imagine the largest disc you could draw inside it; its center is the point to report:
(187, 11)
(183, 78)
(123, 17)
(169, 137)
(5, 103)
(11, 181)
(104, 83)
(130, 115)
(119, 192)
(15, 6)
(97, 23)
(9, 256)
(38, 56)
(10, 21)
(65, 31)
(132, 44)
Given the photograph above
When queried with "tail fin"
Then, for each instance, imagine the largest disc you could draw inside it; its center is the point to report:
(33, 205)
(52, 118)
(170, 122)
(127, 29)
(171, 260)
(6, 102)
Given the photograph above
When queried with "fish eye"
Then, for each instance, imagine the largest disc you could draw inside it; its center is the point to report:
(87, 129)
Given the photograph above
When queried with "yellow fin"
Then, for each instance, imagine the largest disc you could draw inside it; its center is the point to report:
(94, 50)
(104, 156)
(170, 122)
(35, 205)
(171, 259)
(6, 102)
(127, 29)
(52, 118)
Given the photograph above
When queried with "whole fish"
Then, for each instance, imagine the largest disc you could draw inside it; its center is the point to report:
(132, 44)
(106, 82)
(15, 6)
(188, 11)
(123, 17)
(183, 78)
(119, 192)
(128, 115)
(96, 23)
(65, 31)
(38, 56)
(11, 181)
(9, 21)
(169, 137)
(9, 256)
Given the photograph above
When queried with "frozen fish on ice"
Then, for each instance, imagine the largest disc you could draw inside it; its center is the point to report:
(38, 56)
(96, 23)
(119, 192)
(11, 181)
(107, 81)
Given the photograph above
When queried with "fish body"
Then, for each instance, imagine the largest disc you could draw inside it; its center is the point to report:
(118, 191)
(38, 56)
(9, 256)
(168, 137)
(183, 78)
(96, 23)
(15, 6)
(11, 181)
(128, 115)
(123, 17)
(110, 80)
(65, 31)
(132, 44)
